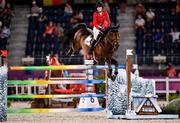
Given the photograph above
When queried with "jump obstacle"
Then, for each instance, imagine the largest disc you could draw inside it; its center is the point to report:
(87, 80)
(83, 97)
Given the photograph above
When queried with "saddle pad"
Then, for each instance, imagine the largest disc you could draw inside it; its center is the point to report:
(87, 41)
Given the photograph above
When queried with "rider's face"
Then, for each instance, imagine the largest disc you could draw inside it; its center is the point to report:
(99, 8)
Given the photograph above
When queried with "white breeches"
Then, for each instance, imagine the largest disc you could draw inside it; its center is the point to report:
(95, 32)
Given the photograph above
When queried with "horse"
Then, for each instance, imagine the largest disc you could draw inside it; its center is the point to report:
(105, 48)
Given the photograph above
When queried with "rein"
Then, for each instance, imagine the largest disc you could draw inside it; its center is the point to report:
(108, 40)
(105, 38)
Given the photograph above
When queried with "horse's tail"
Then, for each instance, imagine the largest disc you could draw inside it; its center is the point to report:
(70, 34)
(78, 26)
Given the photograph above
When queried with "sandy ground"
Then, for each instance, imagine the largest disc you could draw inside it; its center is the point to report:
(70, 117)
(75, 117)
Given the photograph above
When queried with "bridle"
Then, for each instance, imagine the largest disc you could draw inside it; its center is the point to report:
(112, 43)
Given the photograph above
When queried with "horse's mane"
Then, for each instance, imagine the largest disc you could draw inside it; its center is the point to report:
(111, 29)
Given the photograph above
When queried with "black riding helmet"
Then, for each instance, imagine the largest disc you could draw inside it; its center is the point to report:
(100, 4)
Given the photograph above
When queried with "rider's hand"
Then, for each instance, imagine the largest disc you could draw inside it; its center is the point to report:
(101, 29)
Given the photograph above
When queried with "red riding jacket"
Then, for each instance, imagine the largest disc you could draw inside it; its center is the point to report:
(101, 20)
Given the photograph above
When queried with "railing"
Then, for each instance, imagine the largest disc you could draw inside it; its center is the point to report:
(41, 60)
(156, 59)
(166, 85)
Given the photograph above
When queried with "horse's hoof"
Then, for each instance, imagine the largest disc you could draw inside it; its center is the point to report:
(113, 78)
(116, 73)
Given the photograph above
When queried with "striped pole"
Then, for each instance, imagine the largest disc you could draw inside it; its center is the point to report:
(33, 96)
(52, 110)
(30, 82)
(62, 67)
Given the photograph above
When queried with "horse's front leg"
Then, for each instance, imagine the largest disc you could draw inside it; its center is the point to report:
(116, 66)
(113, 61)
(109, 74)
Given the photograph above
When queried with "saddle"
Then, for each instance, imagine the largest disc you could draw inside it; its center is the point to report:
(89, 40)
(99, 37)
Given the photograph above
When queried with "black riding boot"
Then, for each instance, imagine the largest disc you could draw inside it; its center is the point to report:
(93, 45)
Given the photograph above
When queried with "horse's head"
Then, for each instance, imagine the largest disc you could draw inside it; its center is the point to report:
(113, 36)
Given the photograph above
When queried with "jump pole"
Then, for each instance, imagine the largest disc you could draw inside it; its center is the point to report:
(129, 53)
(62, 67)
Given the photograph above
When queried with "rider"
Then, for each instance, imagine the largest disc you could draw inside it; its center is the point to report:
(101, 21)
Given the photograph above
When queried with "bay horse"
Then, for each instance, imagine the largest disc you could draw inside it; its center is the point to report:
(105, 48)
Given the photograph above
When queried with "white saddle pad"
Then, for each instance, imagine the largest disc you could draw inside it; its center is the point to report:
(87, 41)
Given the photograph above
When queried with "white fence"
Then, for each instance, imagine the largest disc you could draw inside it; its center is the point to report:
(167, 90)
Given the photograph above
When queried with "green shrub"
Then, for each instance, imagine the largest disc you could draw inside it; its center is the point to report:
(100, 88)
(174, 96)
(8, 103)
(101, 77)
(171, 110)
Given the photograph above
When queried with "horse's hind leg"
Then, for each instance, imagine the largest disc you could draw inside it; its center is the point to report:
(74, 48)
(85, 49)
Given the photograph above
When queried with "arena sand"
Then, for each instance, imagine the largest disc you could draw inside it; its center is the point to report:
(70, 117)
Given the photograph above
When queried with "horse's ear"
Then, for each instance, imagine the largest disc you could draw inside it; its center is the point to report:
(117, 26)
